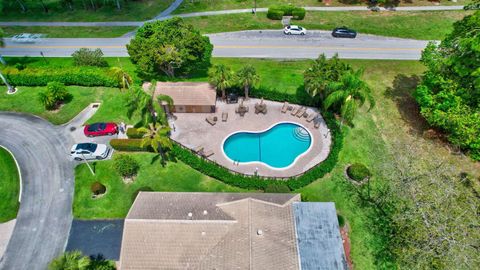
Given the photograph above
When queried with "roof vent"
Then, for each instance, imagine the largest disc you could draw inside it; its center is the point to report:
(259, 232)
(204, 233)
(190, 214)
(205, 212)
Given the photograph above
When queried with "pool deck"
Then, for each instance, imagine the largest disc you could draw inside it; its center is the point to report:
(192, 130)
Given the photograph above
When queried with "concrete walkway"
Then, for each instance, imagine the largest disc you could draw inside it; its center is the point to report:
(166, 15)
(6, 230)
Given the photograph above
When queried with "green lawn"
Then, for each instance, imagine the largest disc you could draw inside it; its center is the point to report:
(152, 176)
(427, 24)
(9, 186)
(131, 11)
(70, 32)
(194, 6)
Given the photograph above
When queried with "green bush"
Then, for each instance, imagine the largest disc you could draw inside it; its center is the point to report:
(341, 220)
(358, 172)
(277, 188)
(54, 95)
(129, 145)
(98, 188)
(278, 11)
(126, 165)
(82, 76)
(87, 57)
(133, 133)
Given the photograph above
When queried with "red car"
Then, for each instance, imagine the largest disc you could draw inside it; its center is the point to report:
(100, 129)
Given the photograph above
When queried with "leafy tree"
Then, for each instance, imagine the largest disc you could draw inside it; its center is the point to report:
(122, 76)
(349, 94)
(156, 136)
(87, 57)
(449, 95)
(247, 78)
(221, 77)
(142, 102)
(73, 260)
(54, 95)
(169, 47)
(321, 73)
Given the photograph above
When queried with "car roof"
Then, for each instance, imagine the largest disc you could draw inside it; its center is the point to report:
(86, 146)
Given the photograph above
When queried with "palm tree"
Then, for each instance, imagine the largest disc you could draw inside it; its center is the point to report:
(157, 138)
(72, 260)
(221, 77)
(247, 77)
(349, 94)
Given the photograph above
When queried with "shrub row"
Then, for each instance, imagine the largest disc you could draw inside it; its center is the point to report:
(130, 145)
(218, 172)
(278, 11)
(82, 76)
(133, 133)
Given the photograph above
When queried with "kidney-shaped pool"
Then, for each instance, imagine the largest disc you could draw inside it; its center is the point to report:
(277, 147)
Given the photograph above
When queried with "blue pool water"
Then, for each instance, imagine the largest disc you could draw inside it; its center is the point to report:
(277, 147)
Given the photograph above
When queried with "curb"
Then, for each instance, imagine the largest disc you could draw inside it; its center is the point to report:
(19, 172)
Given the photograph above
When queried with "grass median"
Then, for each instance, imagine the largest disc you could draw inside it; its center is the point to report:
(9, 186)
(70, 31)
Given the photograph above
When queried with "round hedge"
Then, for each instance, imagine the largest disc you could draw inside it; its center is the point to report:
(98, 188)
(126, 165)
(358, 172)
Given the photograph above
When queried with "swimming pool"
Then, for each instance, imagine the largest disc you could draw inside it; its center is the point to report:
(277, 147)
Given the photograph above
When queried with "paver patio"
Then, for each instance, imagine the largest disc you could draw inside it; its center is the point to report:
(191, 130)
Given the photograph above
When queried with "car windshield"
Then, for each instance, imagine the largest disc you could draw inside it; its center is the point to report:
(97, 127)
(91, 147)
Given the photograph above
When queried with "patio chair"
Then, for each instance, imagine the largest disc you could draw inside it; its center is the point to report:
(301, 112)
(198, 149)
(295, 110)
(224, 116)
(285, 107)
(311, 117)
(207, 153)
(211, 120)
(317, 124)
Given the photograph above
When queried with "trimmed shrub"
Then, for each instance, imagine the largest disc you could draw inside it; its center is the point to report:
(277, 188)
(82, 76)
(129, 145)
(126, 165)
(341, 220)
(98, 188)
(358, 172)
(133, 133)
(87, 57)
(278, 11)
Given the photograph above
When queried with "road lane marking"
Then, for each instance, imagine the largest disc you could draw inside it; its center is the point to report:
(218, 47)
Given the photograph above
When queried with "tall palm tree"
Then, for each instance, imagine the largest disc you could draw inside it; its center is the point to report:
(221, 77)
(349, 94)
(140, 101)
(156, 136)
(247, 77)
(72, 260)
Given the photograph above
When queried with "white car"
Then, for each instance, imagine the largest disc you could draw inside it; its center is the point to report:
(294, 30)
(26, 38)
(87, 151)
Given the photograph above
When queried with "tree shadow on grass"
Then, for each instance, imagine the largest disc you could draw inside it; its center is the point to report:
(402, 94)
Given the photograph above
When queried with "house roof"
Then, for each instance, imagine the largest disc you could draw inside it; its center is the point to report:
(210, 231)
(187, 93)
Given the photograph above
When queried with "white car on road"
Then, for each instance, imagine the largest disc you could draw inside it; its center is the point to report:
(87, 151)
(26, 38)
(294, 30)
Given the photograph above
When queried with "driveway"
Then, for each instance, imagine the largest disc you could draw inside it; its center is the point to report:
(45, 214)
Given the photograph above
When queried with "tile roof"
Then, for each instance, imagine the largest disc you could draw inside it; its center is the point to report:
(237, 231)
(187, 93)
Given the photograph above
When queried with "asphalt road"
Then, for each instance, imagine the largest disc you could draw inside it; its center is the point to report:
(45, 216)
(256, 43)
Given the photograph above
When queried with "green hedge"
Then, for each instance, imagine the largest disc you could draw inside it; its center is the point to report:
(132, 133)
(82, 76)
(278, 11)
(128, 145)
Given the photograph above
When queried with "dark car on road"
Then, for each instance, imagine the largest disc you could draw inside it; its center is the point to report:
(344, 32)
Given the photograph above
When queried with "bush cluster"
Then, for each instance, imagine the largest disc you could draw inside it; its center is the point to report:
(55, 94)
(133, 133)
(126, 165)
(87, 57)
(358, 172)
(82, 76)
(278, 11)
(130, 145)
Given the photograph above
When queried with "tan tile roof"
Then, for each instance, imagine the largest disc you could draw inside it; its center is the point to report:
(159, 234)
(187, 93)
